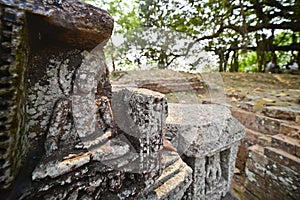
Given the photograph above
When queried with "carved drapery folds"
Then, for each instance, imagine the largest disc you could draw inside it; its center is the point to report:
(65, 135)
(56, 95)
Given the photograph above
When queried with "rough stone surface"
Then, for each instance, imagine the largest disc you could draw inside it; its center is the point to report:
(173, 182)
(140, 115)
(65, 136)
(251, 138)
(268, 174)
(287, 113)
(257, 122)
(209, 145)
(166, 82)
(290, 145)
(64, 131)
(290, 130)
(272, 163)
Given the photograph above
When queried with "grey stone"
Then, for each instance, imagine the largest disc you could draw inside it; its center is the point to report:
(282, 112)
(65, 136)
(61, 146)
(209, 144)
(173, 182)
(140, 115)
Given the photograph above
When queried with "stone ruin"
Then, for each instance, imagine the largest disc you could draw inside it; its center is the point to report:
(65, 135)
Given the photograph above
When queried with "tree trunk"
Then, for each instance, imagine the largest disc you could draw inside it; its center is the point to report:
(234, 62)
(112, 55)
(221, 64)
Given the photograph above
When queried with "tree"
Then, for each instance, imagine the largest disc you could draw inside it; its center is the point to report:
(126, 23)
(227, 28)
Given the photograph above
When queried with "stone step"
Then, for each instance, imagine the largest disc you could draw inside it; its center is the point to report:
(256, 122)
(291, 130)
(266, 175)
(256, 160)
(251, 138)
(171, 80)
(255, 137)
(173, 86)
(282, 112)
(284, 158)
(286, 143)
(172, 183)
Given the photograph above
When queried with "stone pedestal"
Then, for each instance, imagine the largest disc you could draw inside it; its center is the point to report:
(207, 137)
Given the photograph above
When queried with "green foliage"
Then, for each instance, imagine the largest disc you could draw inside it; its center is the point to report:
(243, 34)
(248, 62)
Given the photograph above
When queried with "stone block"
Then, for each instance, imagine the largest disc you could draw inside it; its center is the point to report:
(257, 122)
(256, 189)
(264, 140)
(287, 178)
(248, 119)
(247, 195)
(287, 144)
(268, 125)
(140, 115)
(172, 183)
(290, 130)
(257, 161)
(275, 190)
(251, 138)
(282, 112)
(209, 145)
(271, 177)
(283, 158)
(256, 153)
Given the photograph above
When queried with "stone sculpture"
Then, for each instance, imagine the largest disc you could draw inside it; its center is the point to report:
(65, 135)
(209, 145)
(47, 44)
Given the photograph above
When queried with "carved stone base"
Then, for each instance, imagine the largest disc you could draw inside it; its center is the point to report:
(208, 144)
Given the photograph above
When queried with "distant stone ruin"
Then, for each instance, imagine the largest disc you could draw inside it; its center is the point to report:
(64, 134)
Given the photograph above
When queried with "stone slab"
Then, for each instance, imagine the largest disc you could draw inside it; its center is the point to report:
(173, 182)
(287, 144)
(283, 158)
(202, 129)
(291, 130)
(282, 112)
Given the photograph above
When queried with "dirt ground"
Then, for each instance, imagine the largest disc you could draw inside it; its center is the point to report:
(249, 91)
(236, 88)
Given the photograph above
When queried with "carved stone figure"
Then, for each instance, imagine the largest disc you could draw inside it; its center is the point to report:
(65, 132)
(65, 135)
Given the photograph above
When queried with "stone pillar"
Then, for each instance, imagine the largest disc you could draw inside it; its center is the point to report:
(140, 115)
(207, 137)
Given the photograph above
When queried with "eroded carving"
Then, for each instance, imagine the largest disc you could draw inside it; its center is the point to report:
(213, 172)
(81, 141)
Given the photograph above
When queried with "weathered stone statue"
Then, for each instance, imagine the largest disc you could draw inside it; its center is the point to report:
(59, 137)
(65, 135)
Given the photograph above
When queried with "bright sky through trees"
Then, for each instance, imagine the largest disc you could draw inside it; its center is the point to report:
(229, 29)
